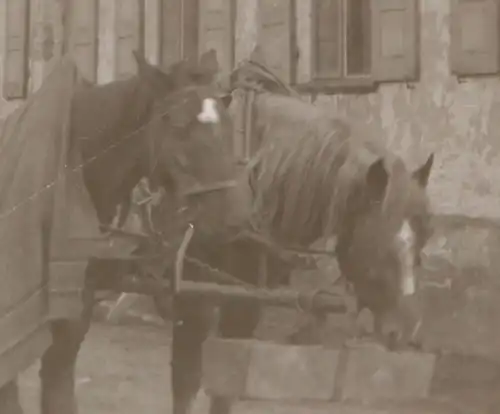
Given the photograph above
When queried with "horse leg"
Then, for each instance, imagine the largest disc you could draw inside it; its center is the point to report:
(190, 329)
(237, 321)
(9, 398)
(57, 372)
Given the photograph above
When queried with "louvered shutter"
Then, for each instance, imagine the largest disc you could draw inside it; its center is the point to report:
(190, 25)
(15, 69)
(171, 29)
(152, 30)
(327, 39)
(275, 36)
(83, 37)
(217, 31)
(474, 48)
(128, 36)
(395, 47)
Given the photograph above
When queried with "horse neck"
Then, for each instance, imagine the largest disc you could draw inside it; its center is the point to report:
(106, 122)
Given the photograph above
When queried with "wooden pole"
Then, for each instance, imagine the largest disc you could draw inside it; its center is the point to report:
(321, 301)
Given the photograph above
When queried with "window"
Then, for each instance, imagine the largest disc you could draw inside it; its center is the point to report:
(475, 37)
(352, 44)
(191, 27)
(179, 30)
(15, 59)
(341, 38)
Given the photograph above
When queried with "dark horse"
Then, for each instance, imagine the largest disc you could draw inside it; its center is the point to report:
(312, 178)
(170, 127)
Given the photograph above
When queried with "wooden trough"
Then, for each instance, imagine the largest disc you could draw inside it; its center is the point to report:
(257, 370)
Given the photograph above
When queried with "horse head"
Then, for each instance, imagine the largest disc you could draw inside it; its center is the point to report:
(380, 244)
(188, 140)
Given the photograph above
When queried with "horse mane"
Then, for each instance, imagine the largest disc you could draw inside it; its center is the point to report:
(259, 73)
(311, 165)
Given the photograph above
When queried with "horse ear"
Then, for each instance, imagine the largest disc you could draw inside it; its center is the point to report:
(140, 60)
(422, 173)
(377, 179)
(144, 68)
(209, 62)
(158, 81)
(257, 55)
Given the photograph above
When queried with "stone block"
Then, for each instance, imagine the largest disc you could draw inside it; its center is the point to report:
(285, 372)
(269, 371)
(373, 373)
(225, 366)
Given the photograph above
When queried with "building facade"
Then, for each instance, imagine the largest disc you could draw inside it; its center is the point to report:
(423, 75)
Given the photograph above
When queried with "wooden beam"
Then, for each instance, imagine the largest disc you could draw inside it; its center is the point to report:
(320, 301)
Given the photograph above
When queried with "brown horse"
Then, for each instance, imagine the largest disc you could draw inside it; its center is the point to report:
(312, 178)
(169, 127)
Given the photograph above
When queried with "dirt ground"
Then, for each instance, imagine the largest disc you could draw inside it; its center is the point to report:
(125, 369)
(122, 369)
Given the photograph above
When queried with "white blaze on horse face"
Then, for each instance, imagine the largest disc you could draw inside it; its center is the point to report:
(406, 244)
(209, 113)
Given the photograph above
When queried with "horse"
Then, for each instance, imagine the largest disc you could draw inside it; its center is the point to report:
(311, 177)
(169, 127)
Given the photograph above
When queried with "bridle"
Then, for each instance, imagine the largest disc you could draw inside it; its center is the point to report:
(248, 165)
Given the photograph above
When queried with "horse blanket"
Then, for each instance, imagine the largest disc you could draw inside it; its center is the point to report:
(34, 148)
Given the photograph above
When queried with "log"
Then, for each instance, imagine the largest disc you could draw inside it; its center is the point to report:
(320, 301)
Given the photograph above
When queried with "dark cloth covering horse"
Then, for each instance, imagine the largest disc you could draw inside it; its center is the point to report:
(313, 178)
(169, 127)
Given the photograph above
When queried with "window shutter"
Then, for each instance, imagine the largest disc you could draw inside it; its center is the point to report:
(275, 36)
(190, 24)
(327, 39)
(217, 31)
(171, 29)
(474, 48)
(83, 37)
(395, 48)
(128, 36)
(15, 69)
(179, 28)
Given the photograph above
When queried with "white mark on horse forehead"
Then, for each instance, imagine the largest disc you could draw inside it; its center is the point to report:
(209, 113)
(406, 234)
(406, 246)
